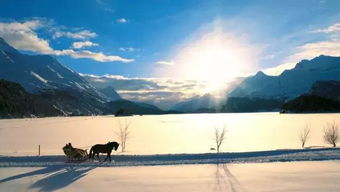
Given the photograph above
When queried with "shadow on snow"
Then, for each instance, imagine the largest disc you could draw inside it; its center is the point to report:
(55, 177)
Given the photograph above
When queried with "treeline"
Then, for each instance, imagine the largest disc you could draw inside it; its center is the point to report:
(311, 103)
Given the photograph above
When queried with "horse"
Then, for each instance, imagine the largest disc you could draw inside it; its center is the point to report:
(103, 148)
(74, 153)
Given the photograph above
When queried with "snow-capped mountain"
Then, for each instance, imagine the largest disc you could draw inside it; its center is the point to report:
(110, 93)
(65, 90)
(44, 75)
(37, 72)
(291, 83)
(198, 104)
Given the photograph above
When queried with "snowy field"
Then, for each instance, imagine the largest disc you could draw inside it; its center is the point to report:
(305, 170)
(312, 176)
(171, 153)
(164, 134)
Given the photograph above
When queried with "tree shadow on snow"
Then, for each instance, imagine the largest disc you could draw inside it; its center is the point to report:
(226, 181)
(60, 178)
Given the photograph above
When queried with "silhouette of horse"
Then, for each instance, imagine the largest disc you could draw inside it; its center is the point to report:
(103, 148)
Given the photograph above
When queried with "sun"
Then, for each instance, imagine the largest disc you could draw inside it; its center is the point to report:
(211, 61)
(216, 57)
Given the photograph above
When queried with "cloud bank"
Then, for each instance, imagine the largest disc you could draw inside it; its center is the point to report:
(161, 92)
(24, 36)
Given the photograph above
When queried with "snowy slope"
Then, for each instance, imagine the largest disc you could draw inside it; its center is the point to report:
(36, 72)
(44, 75)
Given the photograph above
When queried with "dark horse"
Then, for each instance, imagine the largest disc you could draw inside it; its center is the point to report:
(103, 148)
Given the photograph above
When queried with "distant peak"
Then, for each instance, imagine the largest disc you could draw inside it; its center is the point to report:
(324, 57)
(321, 61)
(260, 73)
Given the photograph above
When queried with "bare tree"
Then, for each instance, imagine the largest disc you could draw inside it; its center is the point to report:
(219, 137)
(331, 134)
(304, 135)
(123, 133)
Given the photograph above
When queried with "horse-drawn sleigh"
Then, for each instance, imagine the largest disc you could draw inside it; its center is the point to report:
(78, 155)
(74, 154)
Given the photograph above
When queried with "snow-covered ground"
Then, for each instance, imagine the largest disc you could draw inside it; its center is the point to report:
(320, 154)
(164, 134)
(311, 176)
(304, 170)
(171, 153)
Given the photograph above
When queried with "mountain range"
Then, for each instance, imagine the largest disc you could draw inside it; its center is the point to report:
(68, 92)
(291, 83)
(42, 80)
(262, 92)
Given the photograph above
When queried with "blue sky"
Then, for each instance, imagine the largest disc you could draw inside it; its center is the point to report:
(150, 38)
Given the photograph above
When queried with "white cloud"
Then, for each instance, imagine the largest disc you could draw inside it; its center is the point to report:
(97, 56)
(307, 51)
(122, 20)
(277, 70)
(81, 44)
(331, 29)
(84, 34)
(23, 36)
(310, 50)
(165, 62)
(130, 84)
(127, 49)
(330, 47)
